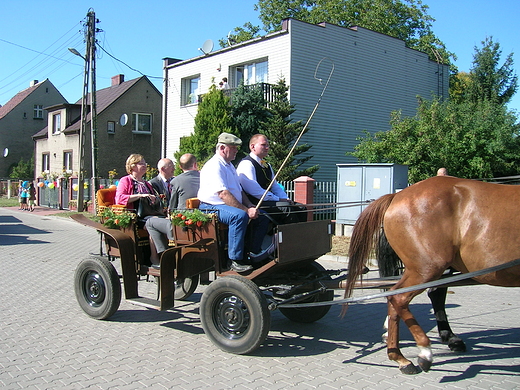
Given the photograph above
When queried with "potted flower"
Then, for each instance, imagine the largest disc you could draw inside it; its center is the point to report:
(190, 224)
(120, 219)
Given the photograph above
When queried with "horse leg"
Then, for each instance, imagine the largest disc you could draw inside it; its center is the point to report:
(398, 308)
(438, 298)
(392, 343)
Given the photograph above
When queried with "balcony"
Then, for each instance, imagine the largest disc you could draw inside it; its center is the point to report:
(267, 89)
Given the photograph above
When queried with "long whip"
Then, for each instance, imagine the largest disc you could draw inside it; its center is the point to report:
(303, 130)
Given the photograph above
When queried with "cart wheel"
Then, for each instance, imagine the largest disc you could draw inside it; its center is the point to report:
(97, 287)
(310, 314)
(185, 287)
(234, 314)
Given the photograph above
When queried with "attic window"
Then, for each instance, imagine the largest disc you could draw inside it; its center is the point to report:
(38, 111)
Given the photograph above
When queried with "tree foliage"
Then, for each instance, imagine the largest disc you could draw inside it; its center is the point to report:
(488, 79)
(23, 170)
(282, 133)
(213, 117)
(240, 34)
(248, 111)
(404, 19)
(472, 139)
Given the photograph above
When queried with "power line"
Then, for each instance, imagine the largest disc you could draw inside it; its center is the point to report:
(124, 63)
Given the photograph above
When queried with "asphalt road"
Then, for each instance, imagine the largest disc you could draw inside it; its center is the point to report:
(47, 342)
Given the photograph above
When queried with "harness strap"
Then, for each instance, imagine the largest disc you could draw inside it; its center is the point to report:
(423, 286)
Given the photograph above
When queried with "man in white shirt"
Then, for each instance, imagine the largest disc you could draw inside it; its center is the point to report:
(220, 190)
(255, 175)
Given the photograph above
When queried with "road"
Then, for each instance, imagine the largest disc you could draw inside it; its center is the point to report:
(47, 342)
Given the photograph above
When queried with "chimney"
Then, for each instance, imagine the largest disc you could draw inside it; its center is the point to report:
(116, 80)
(33, 83)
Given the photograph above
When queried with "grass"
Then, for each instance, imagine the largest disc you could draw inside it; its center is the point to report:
(4, 202)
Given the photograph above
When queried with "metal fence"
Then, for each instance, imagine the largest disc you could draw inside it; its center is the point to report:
(324, 192)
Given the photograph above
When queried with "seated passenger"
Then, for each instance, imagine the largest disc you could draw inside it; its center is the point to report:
(256, 174)
(183, 187)
(220, 191)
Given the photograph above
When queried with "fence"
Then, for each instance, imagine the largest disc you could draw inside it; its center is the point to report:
(324, 192)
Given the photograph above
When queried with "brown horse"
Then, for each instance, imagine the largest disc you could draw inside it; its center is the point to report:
(435, 224)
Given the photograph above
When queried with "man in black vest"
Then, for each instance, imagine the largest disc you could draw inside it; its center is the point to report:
(255, 175)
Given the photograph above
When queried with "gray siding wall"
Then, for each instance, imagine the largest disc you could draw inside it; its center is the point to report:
(374, 75)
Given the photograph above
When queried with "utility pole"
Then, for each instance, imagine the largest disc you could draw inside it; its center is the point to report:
(89, 81)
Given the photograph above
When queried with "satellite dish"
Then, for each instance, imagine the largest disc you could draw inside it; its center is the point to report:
(123, 120)
(207, 47)
(230, 39)
(6, 152)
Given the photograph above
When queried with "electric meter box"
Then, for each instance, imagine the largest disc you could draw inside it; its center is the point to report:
(365, 182)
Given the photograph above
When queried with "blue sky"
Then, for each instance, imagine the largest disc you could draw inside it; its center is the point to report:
(142, 33)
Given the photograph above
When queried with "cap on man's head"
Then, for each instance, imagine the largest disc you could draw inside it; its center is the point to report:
(229, 139)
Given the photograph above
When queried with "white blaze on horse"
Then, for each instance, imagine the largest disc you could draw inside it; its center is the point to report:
(433, 225)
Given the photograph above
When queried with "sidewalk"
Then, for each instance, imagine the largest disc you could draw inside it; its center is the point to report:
(38, 210)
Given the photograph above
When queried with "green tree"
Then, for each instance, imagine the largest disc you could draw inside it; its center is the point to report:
(213, 117)
(248, 110)
(472, 139)
(23, 170)
(404, 19)
(489, 80)
(240, 34)
(282, 132)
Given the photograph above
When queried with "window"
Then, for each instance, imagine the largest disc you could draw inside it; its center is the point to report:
(56, 123)
(252, 73)
(45, 162)
(142, 123)
(111, 127)
(67, 161)
(191, 89)
(38, 111)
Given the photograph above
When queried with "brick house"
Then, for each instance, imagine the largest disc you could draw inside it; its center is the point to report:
(128, 121)
(20, 118)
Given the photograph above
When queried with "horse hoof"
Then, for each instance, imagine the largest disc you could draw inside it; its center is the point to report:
(409, 369)
(457, 345)
(424, 364)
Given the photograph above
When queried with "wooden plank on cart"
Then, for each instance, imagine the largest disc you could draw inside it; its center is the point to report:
(305, 240)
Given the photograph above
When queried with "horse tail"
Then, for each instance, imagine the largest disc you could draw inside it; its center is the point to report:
(365, 235)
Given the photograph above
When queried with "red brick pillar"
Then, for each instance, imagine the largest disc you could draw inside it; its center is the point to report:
(304, 192)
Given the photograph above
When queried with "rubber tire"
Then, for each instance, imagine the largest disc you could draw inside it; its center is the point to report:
(310, 314)
(97, 287)
(184, 288)
(234, 314)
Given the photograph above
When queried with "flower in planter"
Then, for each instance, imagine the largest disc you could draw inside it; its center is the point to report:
(190, 218)
(116, 219)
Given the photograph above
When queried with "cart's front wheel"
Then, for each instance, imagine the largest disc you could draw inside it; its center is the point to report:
(234, 314)
(97, 287)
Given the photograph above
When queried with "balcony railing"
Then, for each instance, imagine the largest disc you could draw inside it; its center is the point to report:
(267, 89)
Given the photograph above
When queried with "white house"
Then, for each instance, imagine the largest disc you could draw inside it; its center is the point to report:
(374, 74)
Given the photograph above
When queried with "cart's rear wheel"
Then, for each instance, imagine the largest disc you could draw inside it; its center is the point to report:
(185, 287)
(234, 314)
(310, 314)
(97, 287)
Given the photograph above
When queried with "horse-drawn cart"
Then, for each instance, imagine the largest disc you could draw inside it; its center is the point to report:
(235, 308)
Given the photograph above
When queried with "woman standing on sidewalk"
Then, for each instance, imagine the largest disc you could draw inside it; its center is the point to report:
(32, 196)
